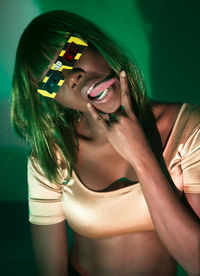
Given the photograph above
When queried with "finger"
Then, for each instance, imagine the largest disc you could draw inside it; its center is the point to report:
(96, 116)
(113, 119)
(125, 96)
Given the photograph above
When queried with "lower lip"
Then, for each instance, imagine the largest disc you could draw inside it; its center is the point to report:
(107, 98)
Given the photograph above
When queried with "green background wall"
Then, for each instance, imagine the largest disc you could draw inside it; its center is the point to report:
(163, 36)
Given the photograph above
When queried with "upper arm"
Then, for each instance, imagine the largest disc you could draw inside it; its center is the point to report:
(45, 197)
(50, 248)
(47, 220)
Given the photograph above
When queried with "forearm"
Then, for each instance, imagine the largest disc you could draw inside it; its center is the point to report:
(177, 229)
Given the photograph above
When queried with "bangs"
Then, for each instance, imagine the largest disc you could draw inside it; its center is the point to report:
(37, 48)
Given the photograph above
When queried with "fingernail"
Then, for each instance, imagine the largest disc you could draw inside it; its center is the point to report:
(89, 105)
(123, 74)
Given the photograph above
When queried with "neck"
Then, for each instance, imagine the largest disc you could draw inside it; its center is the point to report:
(88, 129)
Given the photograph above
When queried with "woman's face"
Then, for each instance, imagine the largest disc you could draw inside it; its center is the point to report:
(91, 80)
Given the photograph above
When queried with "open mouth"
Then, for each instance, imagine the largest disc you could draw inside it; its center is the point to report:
(100, 96)
(99, 90)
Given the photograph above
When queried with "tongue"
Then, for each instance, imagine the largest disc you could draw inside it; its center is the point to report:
(100, 87)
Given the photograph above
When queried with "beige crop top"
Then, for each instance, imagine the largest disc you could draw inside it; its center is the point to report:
(122, 211)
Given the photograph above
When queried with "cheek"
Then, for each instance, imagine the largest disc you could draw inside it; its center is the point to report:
(100, 65)
(70, 99)
(64, 95)
(92, 62)
(117, 86)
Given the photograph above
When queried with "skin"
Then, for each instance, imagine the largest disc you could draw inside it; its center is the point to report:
(177, 230)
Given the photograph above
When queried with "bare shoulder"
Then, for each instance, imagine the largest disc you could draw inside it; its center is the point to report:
(165, 110)
(165, 116)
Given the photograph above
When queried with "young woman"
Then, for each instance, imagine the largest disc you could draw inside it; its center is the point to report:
(122, 169)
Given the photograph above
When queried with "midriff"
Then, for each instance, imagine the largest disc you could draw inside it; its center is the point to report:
(125, 255)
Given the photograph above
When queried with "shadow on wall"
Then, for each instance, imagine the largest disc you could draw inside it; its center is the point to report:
(172, 28)
(13, 174)
(16, 254)
(16, 257)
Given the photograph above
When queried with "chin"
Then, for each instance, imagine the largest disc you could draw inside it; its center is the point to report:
(108, 109)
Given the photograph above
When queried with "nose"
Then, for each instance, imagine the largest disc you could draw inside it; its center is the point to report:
(75, 78)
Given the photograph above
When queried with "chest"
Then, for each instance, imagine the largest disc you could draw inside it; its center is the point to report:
(101, 168)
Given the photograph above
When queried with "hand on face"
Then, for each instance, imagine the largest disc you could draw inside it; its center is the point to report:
(123, 131)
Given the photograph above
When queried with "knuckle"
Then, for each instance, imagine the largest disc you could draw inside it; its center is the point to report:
(123, 119)
(99, 119)
(125, 93)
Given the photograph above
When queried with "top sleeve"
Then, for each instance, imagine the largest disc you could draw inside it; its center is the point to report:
(45, 198)
(191, 163)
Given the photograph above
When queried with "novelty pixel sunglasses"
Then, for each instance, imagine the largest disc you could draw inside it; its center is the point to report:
(70, 53)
